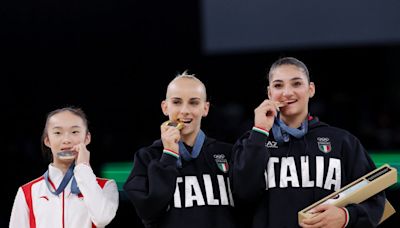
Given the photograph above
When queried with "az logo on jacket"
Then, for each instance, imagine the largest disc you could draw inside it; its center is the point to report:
(271, 144)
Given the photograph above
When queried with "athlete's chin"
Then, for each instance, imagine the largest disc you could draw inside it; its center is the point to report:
(290, 113)
(186, 130)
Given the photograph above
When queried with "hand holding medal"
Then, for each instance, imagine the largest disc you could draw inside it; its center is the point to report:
(170, 134)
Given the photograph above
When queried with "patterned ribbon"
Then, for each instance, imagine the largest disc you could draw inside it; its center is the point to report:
(282, 132)
(67, 177)
(185, 154)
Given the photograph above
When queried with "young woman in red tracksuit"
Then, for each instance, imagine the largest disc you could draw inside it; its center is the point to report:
(290, 159)
(68, 194)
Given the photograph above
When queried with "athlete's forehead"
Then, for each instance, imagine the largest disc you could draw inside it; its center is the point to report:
(65, 119)
(186, 86)
(287, 73)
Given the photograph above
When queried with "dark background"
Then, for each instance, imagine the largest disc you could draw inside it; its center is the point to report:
(115, 58)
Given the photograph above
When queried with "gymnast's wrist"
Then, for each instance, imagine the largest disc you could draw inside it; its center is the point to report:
(261, 130)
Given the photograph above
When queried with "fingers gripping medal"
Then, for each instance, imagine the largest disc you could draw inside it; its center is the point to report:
(278, 106)
(178, 124)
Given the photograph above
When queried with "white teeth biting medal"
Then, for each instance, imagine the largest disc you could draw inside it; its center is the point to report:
(66, 155)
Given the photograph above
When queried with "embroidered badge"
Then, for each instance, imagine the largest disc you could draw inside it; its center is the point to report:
(324, 145)
(222, 163)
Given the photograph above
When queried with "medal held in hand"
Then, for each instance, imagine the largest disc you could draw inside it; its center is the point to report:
(178, 124)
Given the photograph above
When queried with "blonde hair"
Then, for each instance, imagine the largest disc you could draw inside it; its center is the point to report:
(186, 75)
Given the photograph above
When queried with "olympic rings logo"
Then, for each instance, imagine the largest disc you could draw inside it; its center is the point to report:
(219, 156)
(322, 139)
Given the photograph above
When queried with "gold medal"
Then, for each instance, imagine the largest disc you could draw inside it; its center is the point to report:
(179, 125)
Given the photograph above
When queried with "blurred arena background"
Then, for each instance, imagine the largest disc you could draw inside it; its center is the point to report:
(115, 58)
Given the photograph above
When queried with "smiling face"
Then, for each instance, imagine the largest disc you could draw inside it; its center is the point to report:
(186, 101)
(290, 85)
(63, 131)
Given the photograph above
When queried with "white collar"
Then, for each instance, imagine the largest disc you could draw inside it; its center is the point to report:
(55, 175)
